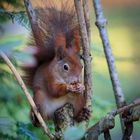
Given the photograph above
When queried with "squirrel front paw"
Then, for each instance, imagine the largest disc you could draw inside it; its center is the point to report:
(76, 88)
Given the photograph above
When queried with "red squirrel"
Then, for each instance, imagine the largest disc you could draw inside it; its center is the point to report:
(56, 77)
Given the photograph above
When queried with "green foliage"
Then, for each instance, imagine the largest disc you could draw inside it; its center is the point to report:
(100, 109)
(15, 123)
(10, 129)
(18, 4)
(20, 17)
(14, 3)
(24, 131)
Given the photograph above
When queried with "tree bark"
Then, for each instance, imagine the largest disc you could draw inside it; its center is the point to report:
(87, 18)
(107, 135)
(101, 23)
(108, 122)
(37, 31)
(63, 118)
(86, 54)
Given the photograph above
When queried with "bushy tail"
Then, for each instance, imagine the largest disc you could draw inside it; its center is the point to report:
(54, 17)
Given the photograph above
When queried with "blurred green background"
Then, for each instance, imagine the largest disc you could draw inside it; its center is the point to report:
(124, 34)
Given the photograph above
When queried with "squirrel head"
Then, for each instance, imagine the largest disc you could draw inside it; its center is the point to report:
(68, 66)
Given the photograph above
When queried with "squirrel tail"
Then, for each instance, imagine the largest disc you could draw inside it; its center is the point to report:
(54, 17)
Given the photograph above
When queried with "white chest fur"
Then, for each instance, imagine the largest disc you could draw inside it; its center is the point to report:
(51, 105)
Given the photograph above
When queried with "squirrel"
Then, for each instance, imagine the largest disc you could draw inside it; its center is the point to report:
(56, 77)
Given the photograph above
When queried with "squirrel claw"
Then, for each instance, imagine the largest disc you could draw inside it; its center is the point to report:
(84, 115)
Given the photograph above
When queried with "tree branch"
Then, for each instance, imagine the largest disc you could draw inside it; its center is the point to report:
(87, 17)
(86, 54)
(107, 135)
(108, 122)
(101, 23)
(63, 118)
(127, 107)
(37, 31)
(27, 94)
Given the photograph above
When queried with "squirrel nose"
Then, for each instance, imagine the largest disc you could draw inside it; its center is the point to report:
(74, 79)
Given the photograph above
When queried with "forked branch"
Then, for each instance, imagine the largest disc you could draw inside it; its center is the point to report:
(108, 122)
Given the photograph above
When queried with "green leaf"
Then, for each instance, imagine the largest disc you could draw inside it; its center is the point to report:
(23, 130)
(8, 127)
(20, 17)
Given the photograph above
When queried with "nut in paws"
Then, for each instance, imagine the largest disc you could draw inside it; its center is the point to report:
(76, 88)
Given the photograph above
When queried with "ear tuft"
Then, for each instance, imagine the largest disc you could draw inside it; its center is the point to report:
(60, 45)
(60, 40)
(60, 53)
(76, 41)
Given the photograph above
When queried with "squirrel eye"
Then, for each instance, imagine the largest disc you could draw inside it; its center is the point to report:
(66, 67)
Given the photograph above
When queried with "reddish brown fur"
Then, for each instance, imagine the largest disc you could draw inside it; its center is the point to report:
(52, 86)
(43, 55)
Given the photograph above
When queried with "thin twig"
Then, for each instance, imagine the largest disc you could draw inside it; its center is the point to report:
(87, 17)
(86, 54)
(101, 23)
(27, 94)
(127, 107)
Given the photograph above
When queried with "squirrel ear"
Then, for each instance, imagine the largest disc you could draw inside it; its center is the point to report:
(60, 53)
(60, 45)
(76, 41)
(60, 41)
